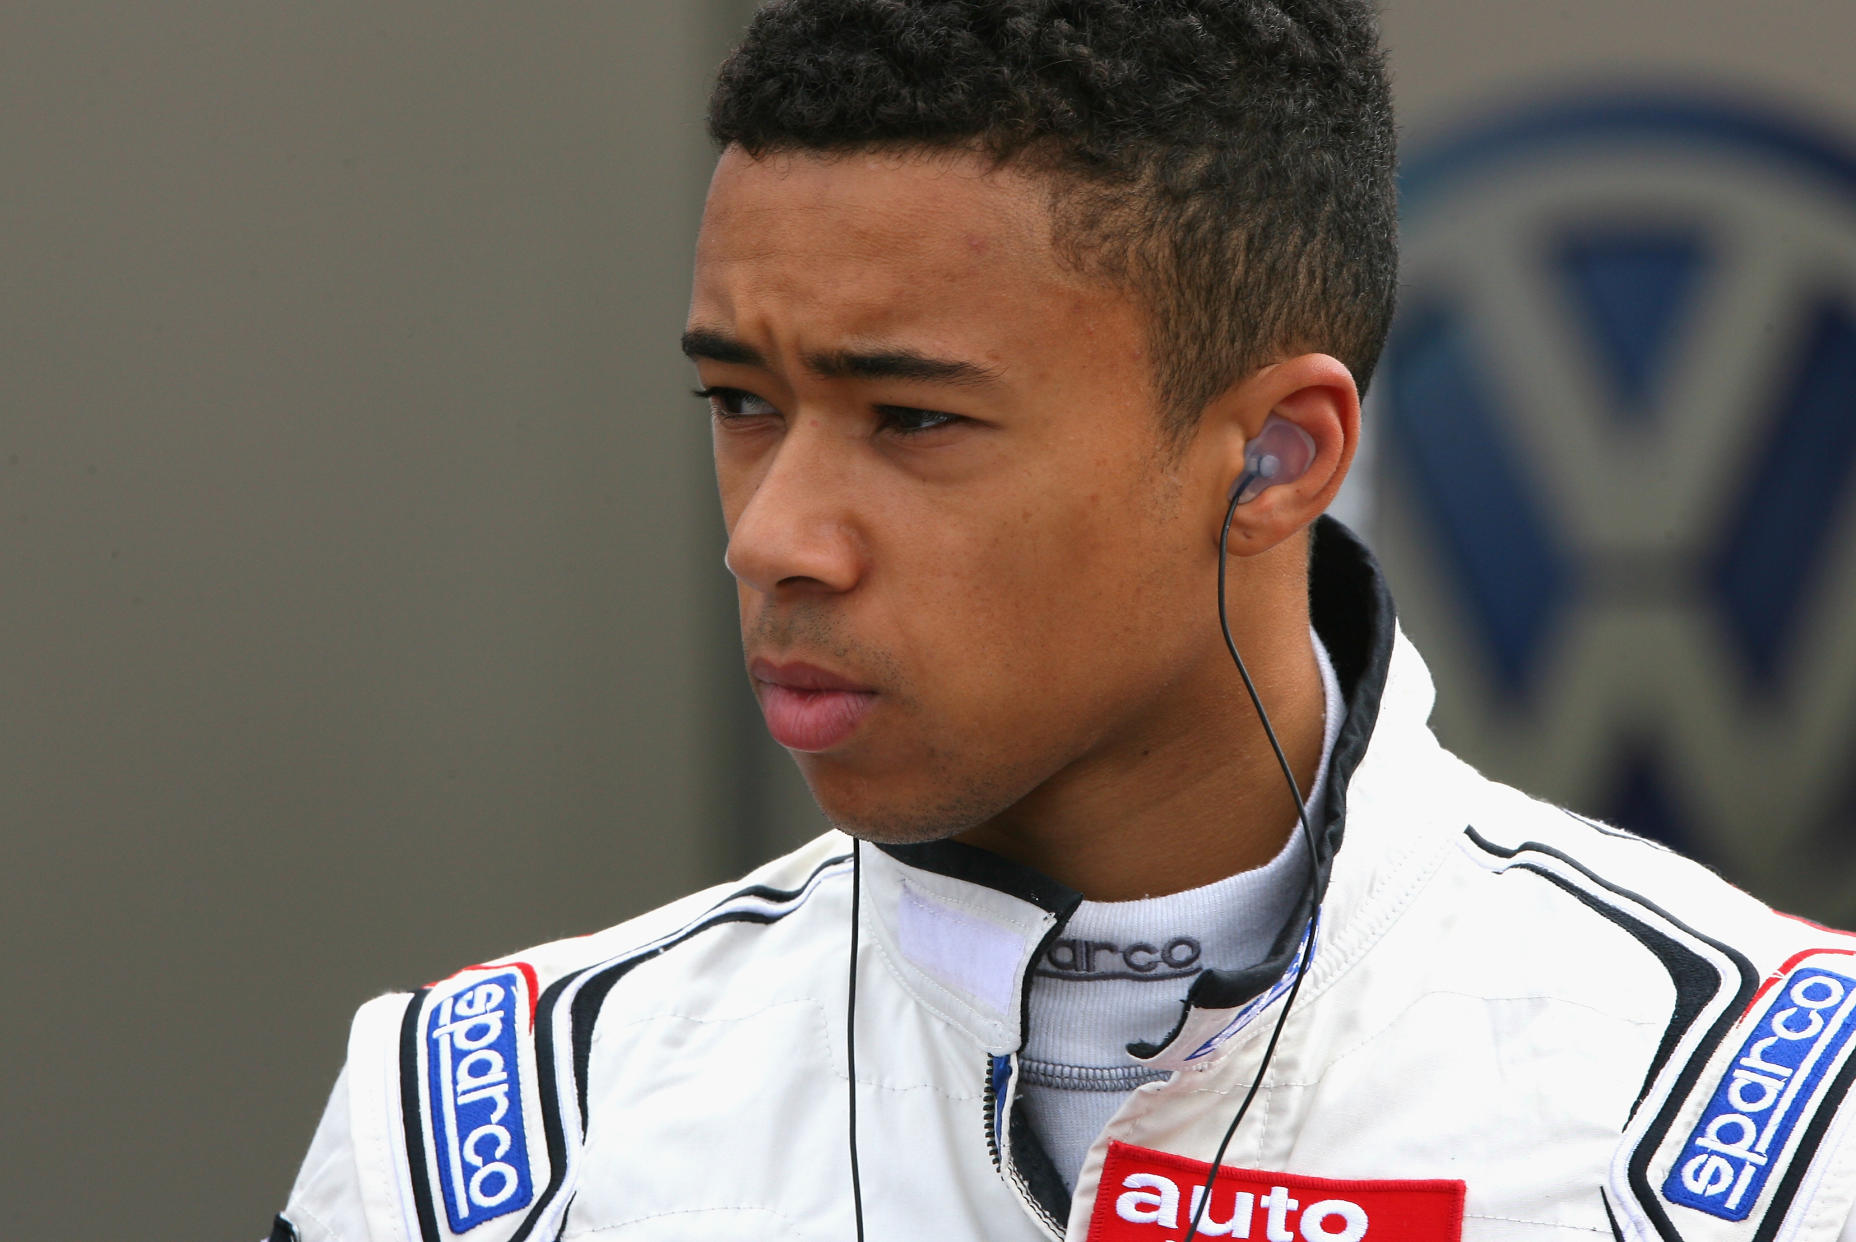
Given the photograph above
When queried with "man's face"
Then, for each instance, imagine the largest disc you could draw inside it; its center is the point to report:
(965, 573)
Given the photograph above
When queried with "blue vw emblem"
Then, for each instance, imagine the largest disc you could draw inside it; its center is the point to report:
(1619, 422)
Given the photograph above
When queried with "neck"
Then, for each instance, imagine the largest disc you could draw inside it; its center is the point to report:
(1191, 791)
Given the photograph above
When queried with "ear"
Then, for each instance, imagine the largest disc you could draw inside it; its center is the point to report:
(1315, 393)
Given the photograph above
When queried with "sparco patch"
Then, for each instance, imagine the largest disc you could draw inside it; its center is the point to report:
(1152, 1196)
(1785, 1061)
(474, 1075)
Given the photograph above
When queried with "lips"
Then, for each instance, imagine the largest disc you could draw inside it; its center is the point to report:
(806, 707)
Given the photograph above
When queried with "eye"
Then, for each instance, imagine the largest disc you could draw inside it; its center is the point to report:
(728, 403)
(907, 420)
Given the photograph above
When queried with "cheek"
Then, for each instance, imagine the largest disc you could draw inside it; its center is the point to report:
(1005, 585)
(1046, 613)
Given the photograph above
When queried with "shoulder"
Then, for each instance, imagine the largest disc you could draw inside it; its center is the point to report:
(1523, 871)
(1591, 870)
(1737, 1131)
(463, 1102)
(769, 894)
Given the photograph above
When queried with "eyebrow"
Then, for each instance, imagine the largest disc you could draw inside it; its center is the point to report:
(901, 364)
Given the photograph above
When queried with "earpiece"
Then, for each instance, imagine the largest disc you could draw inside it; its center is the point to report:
(1280, 453)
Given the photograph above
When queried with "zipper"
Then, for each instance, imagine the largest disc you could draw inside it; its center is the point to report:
(998, 1096)
(996, 1069)
(997, 1103)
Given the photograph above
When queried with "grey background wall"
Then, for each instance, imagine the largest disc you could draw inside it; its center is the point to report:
(361, 609)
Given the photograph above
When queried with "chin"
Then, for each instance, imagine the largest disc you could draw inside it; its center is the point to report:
(892, 832)
(881, 817)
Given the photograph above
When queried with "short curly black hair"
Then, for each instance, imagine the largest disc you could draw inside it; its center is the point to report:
(1230, 162)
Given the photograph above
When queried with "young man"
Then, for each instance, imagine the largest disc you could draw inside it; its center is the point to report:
(1027, 327)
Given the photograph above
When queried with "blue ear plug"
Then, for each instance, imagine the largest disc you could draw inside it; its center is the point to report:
(1280, 453)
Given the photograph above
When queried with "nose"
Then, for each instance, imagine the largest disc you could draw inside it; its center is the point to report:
(797, 530)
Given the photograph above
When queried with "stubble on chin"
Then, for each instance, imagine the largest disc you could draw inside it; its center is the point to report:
(950, 799)
(912, 825)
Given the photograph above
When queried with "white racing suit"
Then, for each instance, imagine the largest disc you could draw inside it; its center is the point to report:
(1516, 1024)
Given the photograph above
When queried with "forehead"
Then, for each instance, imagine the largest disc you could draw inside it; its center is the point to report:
(870, 244)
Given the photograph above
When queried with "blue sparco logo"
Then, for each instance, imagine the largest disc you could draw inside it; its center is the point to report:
(1781, 1067)
(476, 1093)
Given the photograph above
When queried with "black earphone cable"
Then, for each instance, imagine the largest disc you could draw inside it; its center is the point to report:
(850, 1035)
(1308, 831)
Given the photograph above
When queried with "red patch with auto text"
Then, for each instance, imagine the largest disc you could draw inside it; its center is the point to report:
(1150, 1196)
